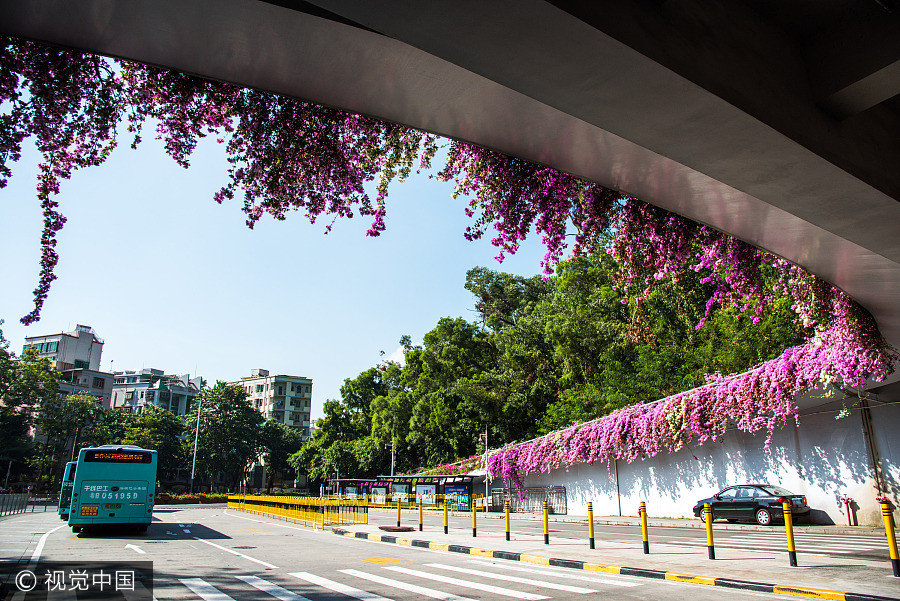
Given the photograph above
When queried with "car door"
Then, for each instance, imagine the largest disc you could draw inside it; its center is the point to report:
(723, 503)
(744, 504)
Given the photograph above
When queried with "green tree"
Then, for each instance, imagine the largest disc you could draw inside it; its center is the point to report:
(501, 299)
(230, 432)
(159, 429)
(17, 405)
(108, 427)
(61, 420)
(278, 444)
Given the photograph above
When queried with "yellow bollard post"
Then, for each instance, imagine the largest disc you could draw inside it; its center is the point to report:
(398, 513)
(591, 525)
(710, 546)
(506, 517)
(789, 530)
(646, 539)
(888, 515)
(474, 513)
(446, 523)
(546, 524)
(420, 515)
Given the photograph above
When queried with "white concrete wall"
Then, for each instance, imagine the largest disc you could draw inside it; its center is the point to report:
(823, 459)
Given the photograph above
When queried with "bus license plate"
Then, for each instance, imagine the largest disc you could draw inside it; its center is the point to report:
(113, 506)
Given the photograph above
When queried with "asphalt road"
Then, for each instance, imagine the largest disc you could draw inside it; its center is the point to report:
(851, 546)
(216, 555)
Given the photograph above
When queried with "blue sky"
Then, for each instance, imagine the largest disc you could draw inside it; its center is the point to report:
(170, 279)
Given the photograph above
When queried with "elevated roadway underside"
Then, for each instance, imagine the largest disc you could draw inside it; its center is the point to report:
(777, 121)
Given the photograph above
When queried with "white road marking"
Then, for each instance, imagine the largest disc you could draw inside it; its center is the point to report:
(488, 588)
(559, 587)
(812, 543)
(136, 549)
(204, 590)
(763, 547)
(338, 587)
(186, 531)
(40, 546)
(233, 552)
(564, 575)
(419, 590)
(273, 589)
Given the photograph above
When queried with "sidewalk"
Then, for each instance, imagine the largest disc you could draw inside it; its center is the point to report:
(818, 576)
(688, 523)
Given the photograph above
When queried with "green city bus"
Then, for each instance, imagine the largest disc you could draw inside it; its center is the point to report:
(65, 493)
(113, 485)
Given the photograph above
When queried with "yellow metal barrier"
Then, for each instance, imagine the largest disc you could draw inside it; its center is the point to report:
(314, 512)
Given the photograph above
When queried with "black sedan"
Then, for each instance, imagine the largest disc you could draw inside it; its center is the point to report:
(752, 502)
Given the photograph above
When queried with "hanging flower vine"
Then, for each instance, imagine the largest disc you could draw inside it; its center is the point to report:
(288, 155)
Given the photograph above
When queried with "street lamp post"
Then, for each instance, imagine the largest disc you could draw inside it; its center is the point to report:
(196, 436)
(392, 456)
(485, 438)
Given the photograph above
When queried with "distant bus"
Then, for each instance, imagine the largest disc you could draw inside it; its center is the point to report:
(65, 493)
(113, 485)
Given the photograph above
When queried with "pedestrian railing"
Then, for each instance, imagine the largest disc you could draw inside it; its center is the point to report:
(10, 504)
(530, 500)
(321, 512)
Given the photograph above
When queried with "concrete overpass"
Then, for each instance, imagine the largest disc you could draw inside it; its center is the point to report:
(777, 121)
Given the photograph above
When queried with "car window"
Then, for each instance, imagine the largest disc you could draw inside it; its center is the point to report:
(745, 492)
(776, 491)
(728, 493)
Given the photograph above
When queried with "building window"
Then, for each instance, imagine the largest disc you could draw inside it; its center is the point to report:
(79, 364)
(99, 383)
(129, 395)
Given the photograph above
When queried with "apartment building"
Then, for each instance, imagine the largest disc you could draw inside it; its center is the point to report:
(136, 389)
(76, 356)
(286, 399)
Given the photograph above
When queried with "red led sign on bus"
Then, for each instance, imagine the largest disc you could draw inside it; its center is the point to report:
(118, 457)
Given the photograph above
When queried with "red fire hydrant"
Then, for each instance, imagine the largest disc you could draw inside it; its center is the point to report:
(847, 503)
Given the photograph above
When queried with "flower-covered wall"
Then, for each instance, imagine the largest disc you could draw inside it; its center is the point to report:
(824, 458)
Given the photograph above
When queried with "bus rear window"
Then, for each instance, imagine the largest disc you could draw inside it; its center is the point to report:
(118, 457)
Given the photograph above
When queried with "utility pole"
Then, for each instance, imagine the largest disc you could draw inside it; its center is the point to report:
(485, 438)
(392, 457)
(196, 436)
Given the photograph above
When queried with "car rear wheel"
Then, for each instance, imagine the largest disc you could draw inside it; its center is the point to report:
(763, 517)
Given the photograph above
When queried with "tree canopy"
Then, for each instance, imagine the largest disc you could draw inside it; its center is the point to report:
(561, 350)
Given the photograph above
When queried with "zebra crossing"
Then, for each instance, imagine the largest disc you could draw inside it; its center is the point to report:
(820, 544)
(388, 582)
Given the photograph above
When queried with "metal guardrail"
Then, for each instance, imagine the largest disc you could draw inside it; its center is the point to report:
(454, 502)
(532, 501)
(321, 512)
(10, 504)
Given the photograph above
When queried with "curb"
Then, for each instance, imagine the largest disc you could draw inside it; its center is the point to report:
(760, 587)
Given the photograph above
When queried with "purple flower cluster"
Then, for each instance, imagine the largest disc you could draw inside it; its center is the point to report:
(846, 350)
(288, 155)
